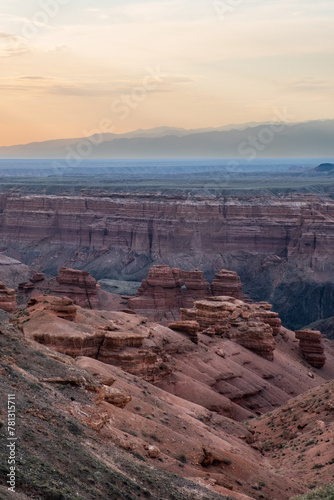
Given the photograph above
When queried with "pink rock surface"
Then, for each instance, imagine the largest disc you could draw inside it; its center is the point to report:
(167, 290)
(8, 300)
(79, 286)
(311, 346)
(232, 318)
(218, 372)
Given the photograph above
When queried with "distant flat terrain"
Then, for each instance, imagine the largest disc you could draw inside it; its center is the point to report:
(201, 177)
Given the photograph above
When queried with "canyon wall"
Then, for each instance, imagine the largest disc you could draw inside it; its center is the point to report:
(281, 247)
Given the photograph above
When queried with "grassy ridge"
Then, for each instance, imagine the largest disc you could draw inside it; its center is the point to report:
(323, 493)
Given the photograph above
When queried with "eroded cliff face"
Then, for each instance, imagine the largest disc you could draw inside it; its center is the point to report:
(281, 247)
(232, 369)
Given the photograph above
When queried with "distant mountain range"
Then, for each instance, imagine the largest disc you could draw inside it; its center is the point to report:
(313, 139)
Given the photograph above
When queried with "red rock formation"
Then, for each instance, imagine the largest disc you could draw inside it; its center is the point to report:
(26, 287)
(167, 290)
(234, 319)
(160, 295)
(251, 223)
(79, 286)
(312, 347)
(254, 335)
(195, 286)
(262, 310)
(211, 315)
(62, 307)
(113, 396)
(218, 373)
(37, 277)
(191, 328)
(8, 300)
(120, 341)
(228, 283)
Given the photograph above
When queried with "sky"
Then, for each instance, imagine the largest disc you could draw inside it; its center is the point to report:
(71, 68)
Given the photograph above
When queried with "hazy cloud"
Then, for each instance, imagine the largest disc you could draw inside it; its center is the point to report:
(310, 84)
(12, 45)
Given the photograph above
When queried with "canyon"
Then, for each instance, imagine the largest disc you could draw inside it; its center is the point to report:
(236, 367)
(281, 246)
(190, 377)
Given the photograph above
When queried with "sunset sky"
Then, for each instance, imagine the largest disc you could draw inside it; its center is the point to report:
(70, 67)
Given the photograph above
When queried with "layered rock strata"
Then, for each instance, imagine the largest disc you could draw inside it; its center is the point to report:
(254, 335)
(79, 286)
(159, 294)
(115, 338)
(262, 310)
(28, 286)
(63, 308)
(234, 319)
(195, 286)
(218, 373)
(191, 328)
(228, 283)
(280, 246)
(166, 290)
(311, 346)
(8, 301)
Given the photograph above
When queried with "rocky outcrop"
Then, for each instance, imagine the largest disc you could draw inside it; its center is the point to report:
(211, 314)
(183, 430)
(228, 317)
(311, 346)
(28, 286)
(191, 328)
(160, 295)
(254, 335)
(63, 308)
(218, 373)
(115, 338)
(79, 286)
(113, 396)
(167, 290)
(8, 300)
(37, 277)
(195, 286)
(228, 283)
(262, 310)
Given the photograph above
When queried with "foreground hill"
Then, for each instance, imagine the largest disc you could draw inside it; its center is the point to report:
(59, 454)
(298, 437)
(136, 430)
